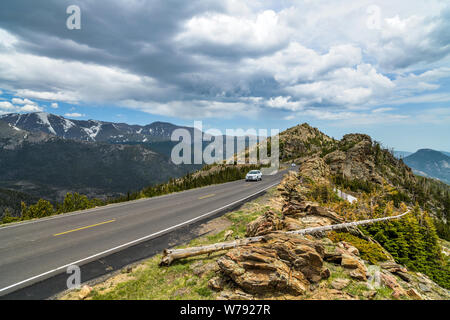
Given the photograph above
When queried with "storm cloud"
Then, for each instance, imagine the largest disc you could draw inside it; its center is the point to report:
(225, 58)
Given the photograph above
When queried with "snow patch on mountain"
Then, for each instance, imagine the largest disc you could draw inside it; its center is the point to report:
(43, 117)
(93, 131)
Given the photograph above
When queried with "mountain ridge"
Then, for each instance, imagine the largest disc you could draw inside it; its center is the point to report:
(91, 130)
(430, 163)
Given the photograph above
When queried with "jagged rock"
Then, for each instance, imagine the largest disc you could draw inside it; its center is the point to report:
(295, 208)
(258, 270)
(404, 276)
(391, 282)
(357, 162)
(283, 264)
(84, 292)
(316, 210)
(216, 283)
(339, 283)
(358, 269)
(304, 255)
(391, 266)
(371, 294)
(310, 221)
(315, 169)
(349, 248)
(358, 274)
(412, 293)
(234, 295)
(396, 269)
(267, 223)
(291, 224)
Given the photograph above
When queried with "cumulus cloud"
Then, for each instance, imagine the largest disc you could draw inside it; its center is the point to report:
(213, 32)
(19, 105)
(227, 59)
(21, 101)
(404, 42)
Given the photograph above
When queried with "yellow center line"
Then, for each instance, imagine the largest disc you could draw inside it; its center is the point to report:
(207, 196)
(78, 229)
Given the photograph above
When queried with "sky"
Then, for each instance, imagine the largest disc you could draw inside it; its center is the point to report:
(375, 67)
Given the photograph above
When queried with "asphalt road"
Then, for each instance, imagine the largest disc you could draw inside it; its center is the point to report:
(33, 251)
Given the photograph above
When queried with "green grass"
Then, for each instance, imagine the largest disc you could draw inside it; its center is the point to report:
(161, 283)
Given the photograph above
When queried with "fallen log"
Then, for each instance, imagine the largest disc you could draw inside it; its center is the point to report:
(170, 255)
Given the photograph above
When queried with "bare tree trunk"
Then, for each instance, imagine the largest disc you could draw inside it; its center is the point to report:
(170, 255)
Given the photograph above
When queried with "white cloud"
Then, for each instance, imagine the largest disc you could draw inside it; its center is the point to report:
(6, 106)
(31, 108)
(259, 31)
(21, 101)
(54, 105)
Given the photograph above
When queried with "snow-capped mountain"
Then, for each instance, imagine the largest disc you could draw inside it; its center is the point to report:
(90, 130)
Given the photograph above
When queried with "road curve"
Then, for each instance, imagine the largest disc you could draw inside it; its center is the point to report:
(36, 250)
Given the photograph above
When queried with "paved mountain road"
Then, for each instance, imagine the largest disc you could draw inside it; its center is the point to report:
(36, 250)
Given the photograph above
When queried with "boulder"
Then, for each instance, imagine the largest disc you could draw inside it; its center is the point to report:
(84, 292)
(370, 294)
(234, 295)
(393, 267)
(284, 264)
(413, 294)
(390, 281)
(216, 283)
(259, 271)
(349, 248)
(357, 267)
(339, 283)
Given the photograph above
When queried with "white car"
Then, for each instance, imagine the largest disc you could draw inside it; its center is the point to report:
(254, 175)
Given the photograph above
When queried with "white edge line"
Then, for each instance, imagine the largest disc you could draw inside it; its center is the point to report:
(134, 241)
(100, 208)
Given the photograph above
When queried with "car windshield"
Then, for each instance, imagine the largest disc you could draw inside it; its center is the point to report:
(253, 172)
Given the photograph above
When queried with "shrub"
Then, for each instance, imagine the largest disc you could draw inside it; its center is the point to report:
(369, 251)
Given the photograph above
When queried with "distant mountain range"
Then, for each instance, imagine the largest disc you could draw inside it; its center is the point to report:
(90, 130)
(430, 163)
(45, 156)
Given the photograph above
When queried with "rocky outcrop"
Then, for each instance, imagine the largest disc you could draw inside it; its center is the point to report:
(390, 281)
(315, 169)
(267, 223)
(357, 268)
(302, 140)
(284, 264)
